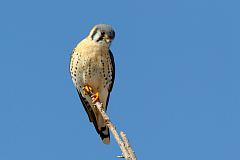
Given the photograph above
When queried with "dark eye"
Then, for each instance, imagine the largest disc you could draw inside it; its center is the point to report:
(102, 33)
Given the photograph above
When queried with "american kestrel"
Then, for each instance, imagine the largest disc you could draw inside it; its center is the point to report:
(92, 70)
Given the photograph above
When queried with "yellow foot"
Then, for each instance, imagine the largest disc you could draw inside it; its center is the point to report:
(87, 90)
(95, 97)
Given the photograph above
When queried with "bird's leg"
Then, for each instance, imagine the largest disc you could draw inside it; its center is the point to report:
(95, 97)
(87, 90)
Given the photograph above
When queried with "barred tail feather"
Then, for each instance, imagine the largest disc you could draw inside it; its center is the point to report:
(103, 130)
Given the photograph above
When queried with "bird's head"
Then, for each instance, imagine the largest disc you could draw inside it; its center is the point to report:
(102, 33)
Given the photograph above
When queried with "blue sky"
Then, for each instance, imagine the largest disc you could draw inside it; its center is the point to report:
(176, 94)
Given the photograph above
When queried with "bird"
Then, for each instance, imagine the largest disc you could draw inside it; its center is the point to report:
(92, 70)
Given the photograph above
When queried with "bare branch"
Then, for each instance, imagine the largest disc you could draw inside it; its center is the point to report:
(123, 143)
(127, 145)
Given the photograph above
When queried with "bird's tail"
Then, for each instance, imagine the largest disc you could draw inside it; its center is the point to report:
(96, 118)
(102, 129)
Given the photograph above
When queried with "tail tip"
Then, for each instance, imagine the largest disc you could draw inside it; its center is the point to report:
(106, 140)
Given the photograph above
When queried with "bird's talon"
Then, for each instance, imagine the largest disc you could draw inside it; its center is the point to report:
(95, 97)
(87, 90)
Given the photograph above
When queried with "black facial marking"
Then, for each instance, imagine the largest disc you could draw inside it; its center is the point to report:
(100, 38)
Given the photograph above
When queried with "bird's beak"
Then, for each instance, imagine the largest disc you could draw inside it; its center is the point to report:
(107, 39)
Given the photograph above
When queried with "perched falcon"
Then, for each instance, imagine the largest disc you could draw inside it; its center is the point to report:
(92, 70)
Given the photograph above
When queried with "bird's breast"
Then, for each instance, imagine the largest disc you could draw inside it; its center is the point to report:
(95, 67)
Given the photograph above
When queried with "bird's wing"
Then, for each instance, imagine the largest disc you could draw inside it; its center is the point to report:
(87, 108)
(113, 76)
(103, 131)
